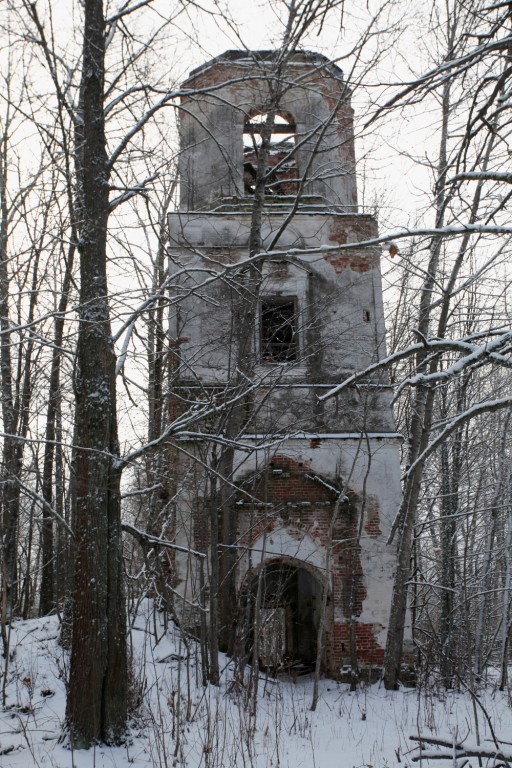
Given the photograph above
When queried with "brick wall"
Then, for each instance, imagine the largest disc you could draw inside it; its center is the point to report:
(369, 652)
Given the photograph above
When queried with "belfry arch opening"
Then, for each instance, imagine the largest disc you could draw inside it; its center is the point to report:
(281, 173)
(284, 603)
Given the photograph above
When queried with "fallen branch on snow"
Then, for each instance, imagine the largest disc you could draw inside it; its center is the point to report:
(461, 751)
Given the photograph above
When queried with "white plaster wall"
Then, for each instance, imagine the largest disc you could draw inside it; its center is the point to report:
(340, 300)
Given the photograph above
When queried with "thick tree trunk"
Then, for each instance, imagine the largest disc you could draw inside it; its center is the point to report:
(96, 706)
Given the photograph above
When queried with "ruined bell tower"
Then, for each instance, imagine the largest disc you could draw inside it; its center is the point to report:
(291, 496)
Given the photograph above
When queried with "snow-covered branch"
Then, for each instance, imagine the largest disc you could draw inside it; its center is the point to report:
(125, 10)
(482, 176)
(488, 406)
(437, 75)
(44, 504)
(456, 750)
(146, 537)
(473, 354)
(130, 192)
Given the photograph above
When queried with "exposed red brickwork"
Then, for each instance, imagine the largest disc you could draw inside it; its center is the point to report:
(285, 500)
(176, 408)
(286, 480)
(338, 231)
(372, 525)
(343, 230)
(356, 261)
(287, 495)
(201, 527)
(367, 648)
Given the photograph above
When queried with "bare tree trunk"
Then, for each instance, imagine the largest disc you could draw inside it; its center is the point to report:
(213, 639)
(447, 539)
(96, 705)
(420, 430)
(48, 581)
(11, 453)
(157, 461)
(489, 552)
(507, 591)
(451, 463)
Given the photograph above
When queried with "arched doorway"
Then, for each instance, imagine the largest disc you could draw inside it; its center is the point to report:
(284, 615)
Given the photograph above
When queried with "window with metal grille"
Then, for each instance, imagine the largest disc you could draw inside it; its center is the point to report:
(278, 325)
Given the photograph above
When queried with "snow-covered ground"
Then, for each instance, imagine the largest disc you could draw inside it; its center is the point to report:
(180, 723)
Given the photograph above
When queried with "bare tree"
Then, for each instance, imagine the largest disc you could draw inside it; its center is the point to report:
(467, 196)
(96, 707)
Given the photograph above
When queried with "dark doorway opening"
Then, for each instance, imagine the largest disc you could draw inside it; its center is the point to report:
(288, 618)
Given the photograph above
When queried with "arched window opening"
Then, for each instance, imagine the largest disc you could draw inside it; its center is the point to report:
(281, 170)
